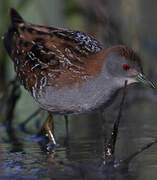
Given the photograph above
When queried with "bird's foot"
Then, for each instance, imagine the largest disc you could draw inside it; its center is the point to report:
(47, 131)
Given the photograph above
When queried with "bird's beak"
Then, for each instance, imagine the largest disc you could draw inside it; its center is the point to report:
(143, 79)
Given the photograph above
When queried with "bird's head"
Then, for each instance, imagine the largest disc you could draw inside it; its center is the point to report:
(124, 64)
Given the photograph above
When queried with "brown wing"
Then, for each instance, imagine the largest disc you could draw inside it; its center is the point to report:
(52, 56)
(52, 46)
(60, 54)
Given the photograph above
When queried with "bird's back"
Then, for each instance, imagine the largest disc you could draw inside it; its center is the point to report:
(62, 54)
(61, 68)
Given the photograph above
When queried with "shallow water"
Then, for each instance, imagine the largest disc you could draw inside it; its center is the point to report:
(81, 156)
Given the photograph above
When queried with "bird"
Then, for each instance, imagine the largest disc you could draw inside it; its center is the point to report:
(67, 71)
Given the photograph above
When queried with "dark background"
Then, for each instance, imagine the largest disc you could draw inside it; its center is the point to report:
(128, 22)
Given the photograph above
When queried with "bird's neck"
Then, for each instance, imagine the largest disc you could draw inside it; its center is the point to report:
(108, 86)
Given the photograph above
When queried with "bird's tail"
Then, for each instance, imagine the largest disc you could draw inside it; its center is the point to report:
(15, 17)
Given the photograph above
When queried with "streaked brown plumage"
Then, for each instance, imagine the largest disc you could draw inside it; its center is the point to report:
(48, 60)
(53, 52)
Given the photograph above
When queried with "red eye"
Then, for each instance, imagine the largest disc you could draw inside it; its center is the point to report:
(126, 67)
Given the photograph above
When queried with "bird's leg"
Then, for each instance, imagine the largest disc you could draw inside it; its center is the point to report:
(109, 151)
(48, 129)
(66, 125)
(67, 129)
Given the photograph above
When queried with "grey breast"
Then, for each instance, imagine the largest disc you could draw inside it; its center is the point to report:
(91, 95)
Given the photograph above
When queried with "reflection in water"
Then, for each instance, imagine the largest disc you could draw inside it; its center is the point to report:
(87, 151)
(80, 158)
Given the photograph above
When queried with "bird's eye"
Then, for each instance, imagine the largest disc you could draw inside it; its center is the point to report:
(126, 67)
